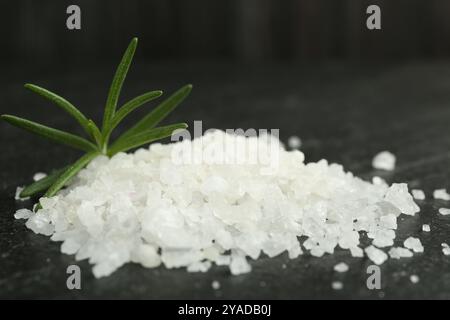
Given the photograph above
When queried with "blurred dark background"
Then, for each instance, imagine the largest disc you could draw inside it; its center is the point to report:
(235, 30)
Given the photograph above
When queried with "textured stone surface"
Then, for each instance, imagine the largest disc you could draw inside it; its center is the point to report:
(343, 113)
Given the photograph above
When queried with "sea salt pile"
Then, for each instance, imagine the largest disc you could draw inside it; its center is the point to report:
(144, 208)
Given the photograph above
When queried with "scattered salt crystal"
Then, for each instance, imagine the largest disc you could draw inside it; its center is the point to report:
(341, 267)
(376, 255)
(384, 160)
(418, 194)
(441, 194)
(414, 278)
(215, 285)
(23, 214)
(294, 142)
(398, 195)
(444, 211)
(399, 252)
(445, 249)
(39, 176)
(337, 285)
(426, 228)
(149, 209)
(414, 244)
(17, 195)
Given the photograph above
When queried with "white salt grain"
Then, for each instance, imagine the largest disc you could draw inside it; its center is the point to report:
(148, 208)
(384, 160)
(39, 176)
(17, 195)
(418, 194)
(23, 214)
(414, 278)
(445, 249)
(215, 285)
(294, 142)
(337, 285)
(441, 194)
(426, 228)
(414, 244)
(341, 267)
(376, 255)
(444, 211)
(399, 252)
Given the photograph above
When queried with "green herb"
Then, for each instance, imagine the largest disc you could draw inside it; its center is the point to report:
(97, 142)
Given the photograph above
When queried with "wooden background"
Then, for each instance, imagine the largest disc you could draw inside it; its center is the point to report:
(238, 30)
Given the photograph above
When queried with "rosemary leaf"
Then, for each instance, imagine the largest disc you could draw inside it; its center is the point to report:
(128, 108)
(95, 132)
(70, 172)
(50, 133)
(41, 185)
(159, 113)
(116, 85)
(144, 138)
(61, 102)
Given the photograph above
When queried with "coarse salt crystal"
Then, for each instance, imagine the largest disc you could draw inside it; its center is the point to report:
(39, 176)
(426, 228)
(337, 285)
(215, 285)
(418, 194)
(398, 195)
(376, 255)
(441, 194)
(445, 249)
(414, 244)
(414, 278)
(384, 160)
(17, 195)
(341, 267)
(23, 214)
(398, 252)
(444, 211)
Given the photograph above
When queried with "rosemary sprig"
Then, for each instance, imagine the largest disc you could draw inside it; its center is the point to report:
(97, 143)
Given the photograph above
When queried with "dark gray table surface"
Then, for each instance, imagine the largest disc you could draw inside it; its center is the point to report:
(345, 113)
